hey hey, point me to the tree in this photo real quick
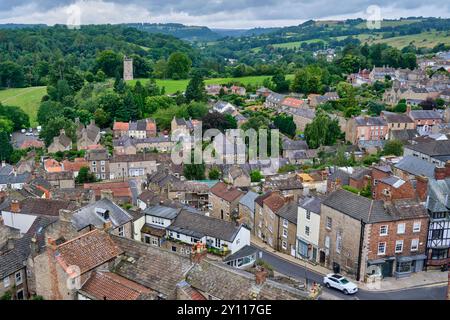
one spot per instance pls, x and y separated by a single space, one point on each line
6 148
214 174
195 90
393 147
308 80
256 176
109 62
130 105
6 125
375 108
160 69
48 110
197 110
154 103
53 127
280 82
194 171
285 124
216 120
178 65
322 131
85 176
11 75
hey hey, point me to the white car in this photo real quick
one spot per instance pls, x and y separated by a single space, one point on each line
339 282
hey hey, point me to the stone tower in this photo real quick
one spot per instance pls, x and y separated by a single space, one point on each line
127 69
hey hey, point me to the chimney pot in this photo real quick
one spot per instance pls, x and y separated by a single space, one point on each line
260 276
15 206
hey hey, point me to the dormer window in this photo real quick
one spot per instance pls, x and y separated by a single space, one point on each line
102 213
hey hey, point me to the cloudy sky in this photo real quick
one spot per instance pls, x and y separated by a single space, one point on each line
212 13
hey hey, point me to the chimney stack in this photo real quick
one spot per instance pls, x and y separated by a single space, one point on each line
199 252
34 247
107 194
422 188
3 163
260 276
51 243
15 206
107 225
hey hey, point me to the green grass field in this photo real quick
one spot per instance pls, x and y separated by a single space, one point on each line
173 86
423 40
26 98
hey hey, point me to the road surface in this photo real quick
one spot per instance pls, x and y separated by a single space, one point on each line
298 272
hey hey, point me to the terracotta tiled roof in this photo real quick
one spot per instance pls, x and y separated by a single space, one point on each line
87 251
32 144
293 102
226 192
121 126
119 189
51 165
75 165
275 202
111 286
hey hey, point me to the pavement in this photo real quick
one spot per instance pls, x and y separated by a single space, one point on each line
431 285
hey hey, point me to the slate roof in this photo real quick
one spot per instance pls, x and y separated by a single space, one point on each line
432 148
370 121
87 216
87 251
243 252
198 225
289 144
344 177
392 117
45 207
438 195
405 209
226 192
153 267
425 114
404 135
6 170
312 204
111 286
289 212
226 283
12 178
249 200
162 212
355 206
416 166
15 259
393 181
97 154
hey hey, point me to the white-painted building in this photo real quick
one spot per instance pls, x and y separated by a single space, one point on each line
308 228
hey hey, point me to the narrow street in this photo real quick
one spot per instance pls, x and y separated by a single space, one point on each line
295 271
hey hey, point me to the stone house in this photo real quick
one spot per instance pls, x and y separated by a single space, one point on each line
266 218
287 228
60 143
224 201
397 121
302 116
247 209
132 165
425 120
61 180
435 152
274 100
73 262
126 145
286 185
192 193
237 176
410 167
99 163
87 135
139 129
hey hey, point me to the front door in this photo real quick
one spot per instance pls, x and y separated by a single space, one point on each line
322 257
293 251
386 269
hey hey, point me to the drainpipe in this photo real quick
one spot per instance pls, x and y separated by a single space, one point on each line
361 244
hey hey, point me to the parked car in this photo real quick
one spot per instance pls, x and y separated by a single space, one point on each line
339 282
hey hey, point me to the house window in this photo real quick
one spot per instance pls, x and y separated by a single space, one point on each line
94 163
381 248
285 233
414 244
338 242
307 231
121 231
308 215
327 242
401 228
383 230
398 246
155 241
102 162
285 223
329 223
6 282
18 277
437 234
284 245
19 294
174 249
416 226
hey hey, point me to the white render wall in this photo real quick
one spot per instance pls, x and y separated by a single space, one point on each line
313 224
19 221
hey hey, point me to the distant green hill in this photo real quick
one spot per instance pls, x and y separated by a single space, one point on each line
190 33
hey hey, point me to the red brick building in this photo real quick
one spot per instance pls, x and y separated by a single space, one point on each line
393 188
